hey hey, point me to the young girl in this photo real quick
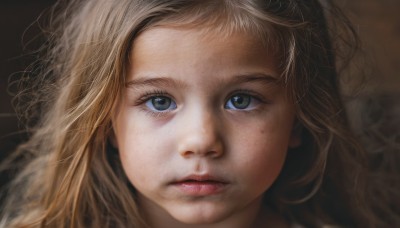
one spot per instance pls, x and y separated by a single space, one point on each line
172 113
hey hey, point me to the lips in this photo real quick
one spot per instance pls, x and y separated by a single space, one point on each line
200 185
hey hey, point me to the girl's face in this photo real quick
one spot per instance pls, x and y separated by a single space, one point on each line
203 127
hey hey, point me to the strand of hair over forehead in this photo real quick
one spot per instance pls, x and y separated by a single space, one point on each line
226 16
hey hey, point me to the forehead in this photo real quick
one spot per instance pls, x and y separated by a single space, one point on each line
163 36
180 47
191 55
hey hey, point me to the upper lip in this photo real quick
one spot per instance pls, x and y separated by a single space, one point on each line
202 177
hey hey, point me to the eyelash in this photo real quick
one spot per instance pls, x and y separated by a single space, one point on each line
149 94
251 93
146 96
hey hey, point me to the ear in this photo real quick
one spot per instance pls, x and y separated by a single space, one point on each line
295 137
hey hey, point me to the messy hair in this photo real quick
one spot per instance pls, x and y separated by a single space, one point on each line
74 177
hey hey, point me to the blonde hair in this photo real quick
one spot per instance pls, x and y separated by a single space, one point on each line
74 178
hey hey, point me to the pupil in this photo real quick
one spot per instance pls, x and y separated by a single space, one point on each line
241 101
238 100
161 103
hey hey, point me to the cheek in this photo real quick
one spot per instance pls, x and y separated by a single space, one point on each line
145 151
133 162
263 162
138 154
260 154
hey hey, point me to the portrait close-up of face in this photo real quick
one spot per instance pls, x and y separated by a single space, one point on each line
202 128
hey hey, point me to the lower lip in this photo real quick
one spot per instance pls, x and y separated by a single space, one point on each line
200 188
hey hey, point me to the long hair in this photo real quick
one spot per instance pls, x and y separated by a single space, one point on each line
74 177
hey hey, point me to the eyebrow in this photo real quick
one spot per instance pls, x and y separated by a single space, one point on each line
156 82
254 77
169 82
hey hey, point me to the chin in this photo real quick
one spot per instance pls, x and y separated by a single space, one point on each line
198 216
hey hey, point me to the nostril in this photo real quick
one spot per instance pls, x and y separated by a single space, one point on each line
212 153
200 143
187 153
209 153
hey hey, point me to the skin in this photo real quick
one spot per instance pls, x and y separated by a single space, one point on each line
202 132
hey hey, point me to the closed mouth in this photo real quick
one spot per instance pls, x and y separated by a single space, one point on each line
200 185
201 179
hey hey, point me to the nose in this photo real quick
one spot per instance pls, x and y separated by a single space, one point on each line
200 135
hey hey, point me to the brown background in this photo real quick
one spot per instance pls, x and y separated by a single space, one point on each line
377 21
378 24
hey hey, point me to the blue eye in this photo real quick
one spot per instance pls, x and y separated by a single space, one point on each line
160 103
239 101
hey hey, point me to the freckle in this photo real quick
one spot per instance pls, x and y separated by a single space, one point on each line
262 131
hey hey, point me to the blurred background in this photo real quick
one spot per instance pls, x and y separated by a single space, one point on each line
18 40
376 21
